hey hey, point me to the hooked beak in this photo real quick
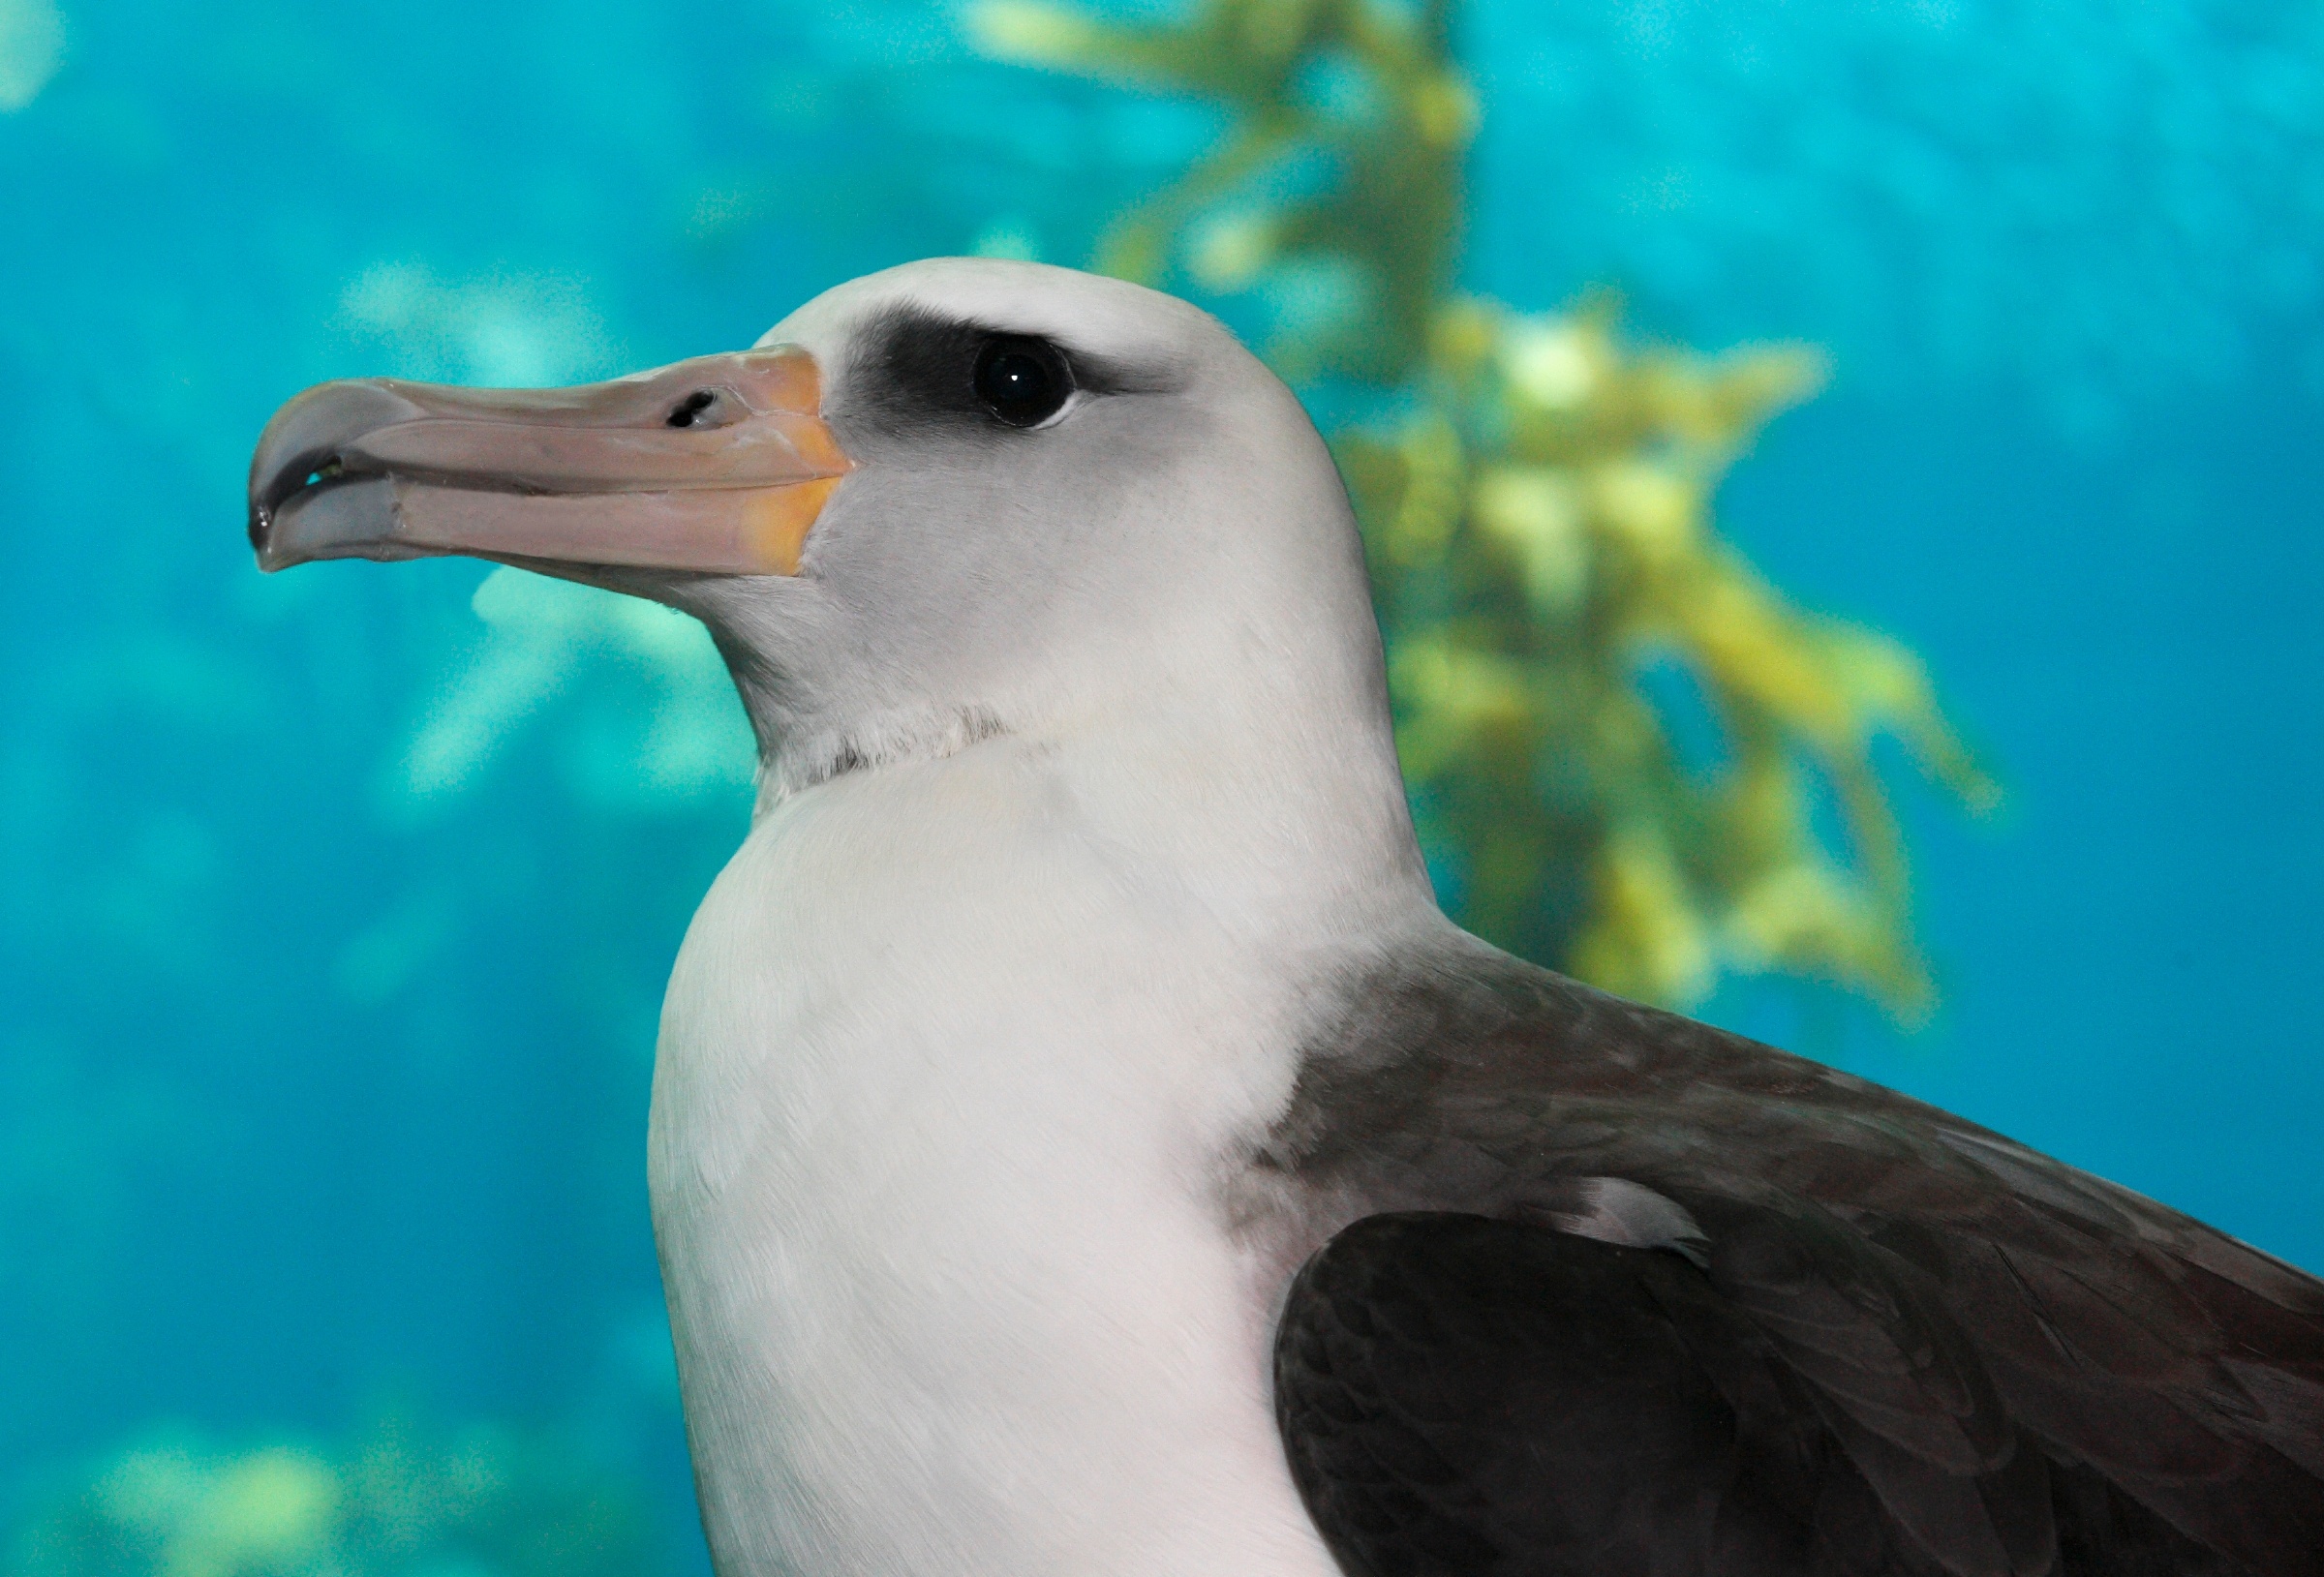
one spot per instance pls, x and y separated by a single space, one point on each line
719 464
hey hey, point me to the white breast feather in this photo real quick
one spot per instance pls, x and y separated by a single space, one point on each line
943 1088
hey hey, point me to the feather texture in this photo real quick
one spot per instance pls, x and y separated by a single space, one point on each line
1602 1290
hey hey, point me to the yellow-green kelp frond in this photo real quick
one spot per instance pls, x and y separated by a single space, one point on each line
395 1501
1339 187
1625 740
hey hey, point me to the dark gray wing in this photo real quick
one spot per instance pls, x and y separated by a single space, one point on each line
1601 1290
1459 1394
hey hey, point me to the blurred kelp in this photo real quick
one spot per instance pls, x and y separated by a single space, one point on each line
1629 754
397 1502
32 45
662 725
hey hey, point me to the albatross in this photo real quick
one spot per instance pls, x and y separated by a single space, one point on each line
1081 1145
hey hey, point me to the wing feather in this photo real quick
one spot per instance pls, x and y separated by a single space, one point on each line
1836 1330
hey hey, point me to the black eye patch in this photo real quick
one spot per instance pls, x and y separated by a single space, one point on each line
917 371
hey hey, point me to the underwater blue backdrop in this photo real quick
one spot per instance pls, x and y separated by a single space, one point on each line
334 907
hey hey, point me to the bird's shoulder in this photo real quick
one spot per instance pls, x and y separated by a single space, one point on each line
1995 1353
1455 1076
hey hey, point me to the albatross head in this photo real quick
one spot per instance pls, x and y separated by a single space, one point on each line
953 499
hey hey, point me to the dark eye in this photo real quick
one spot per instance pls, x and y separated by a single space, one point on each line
1023 381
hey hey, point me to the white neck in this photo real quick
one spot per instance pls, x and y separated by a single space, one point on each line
952 1060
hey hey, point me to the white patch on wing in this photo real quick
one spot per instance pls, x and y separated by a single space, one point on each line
1617 1210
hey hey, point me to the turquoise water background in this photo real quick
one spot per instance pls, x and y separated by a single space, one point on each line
335 906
